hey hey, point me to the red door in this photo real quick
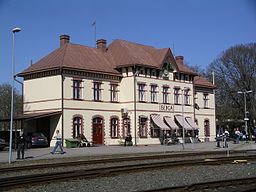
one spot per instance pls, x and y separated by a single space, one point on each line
97 131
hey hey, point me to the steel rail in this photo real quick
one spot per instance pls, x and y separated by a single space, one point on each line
11 182
247 184
113 160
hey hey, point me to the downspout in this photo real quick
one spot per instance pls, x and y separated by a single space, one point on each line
135 118
194 91
62 105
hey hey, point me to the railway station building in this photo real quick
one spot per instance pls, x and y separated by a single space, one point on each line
110 91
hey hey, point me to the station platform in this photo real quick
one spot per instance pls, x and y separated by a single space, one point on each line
44 153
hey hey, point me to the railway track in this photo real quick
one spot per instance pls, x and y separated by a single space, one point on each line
33 179
120 159
232 185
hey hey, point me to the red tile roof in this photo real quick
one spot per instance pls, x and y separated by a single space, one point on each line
75 57
199 81
118 54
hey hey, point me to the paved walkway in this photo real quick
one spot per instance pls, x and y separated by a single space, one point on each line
44 153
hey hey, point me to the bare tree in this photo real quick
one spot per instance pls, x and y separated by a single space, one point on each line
5 101
235 70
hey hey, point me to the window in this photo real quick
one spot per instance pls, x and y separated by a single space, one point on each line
77 126
206 100
154 131
176 95
143 127
141 92
153 90
165 94
186 96
206 128
113 93
126 127
114 127
97 91
77 89
177 76
196 97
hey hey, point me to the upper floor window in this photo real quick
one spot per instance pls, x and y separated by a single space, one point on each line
206 100
114 93
141 92
186 96
77 89
97 91
153 90
176 95
196 97
114 127
165 94
77 127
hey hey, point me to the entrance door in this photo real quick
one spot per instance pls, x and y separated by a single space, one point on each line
97 131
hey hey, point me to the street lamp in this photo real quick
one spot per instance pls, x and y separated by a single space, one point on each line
14 30
245 116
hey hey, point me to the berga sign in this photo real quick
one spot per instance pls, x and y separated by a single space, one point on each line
165 107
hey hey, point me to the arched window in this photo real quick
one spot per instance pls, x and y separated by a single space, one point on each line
126 126
207 128
77 126
143 127
114 127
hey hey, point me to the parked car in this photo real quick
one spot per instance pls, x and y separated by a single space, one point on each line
37 139
3 144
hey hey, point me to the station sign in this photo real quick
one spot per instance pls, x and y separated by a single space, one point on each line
165 107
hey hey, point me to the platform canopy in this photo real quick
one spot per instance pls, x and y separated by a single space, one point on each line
192 123
171 123
182 121
30 116
159 122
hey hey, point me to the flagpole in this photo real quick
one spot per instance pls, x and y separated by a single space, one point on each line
94 24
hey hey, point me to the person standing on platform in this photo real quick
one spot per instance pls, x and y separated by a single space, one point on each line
225 139
238 134
218 139
254 133
58 143
21 146
128 140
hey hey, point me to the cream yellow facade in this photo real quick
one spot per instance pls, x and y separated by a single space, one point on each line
44 94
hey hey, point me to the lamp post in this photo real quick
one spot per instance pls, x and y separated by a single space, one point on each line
14 30
245 110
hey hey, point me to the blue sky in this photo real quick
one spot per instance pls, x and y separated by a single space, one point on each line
197 29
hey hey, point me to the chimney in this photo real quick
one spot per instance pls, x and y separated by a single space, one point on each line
102 44
179 59
64 39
